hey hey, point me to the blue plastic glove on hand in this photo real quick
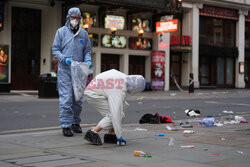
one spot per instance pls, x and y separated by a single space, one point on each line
68 61
121 141
89 63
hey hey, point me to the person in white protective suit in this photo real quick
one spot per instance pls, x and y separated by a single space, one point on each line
107 93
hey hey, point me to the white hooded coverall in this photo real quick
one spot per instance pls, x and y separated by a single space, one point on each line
107 93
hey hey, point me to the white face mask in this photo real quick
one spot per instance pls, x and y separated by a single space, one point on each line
74 23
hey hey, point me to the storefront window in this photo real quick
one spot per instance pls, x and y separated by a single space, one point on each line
229 71
217 32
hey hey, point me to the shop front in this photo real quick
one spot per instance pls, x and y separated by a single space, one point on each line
217 50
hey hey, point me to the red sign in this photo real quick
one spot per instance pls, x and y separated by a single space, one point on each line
166 26
181 40
158 68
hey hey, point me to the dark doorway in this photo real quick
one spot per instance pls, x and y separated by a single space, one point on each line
247 72
109 61
137 65
25 48
175 69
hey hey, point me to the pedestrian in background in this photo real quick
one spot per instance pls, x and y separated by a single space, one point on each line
71 43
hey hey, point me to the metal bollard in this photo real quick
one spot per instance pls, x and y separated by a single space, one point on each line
191 83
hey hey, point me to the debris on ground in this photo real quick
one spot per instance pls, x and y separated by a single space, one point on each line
188 131
228 112
188 146
192 113
140 129
142 154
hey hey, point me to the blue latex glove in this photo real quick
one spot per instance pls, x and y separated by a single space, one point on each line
121 141
89 63
68 61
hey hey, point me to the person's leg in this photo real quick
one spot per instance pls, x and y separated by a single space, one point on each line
77 109
65 102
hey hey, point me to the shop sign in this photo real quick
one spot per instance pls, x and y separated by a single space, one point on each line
166 26
157 68
112 21
218 12
140 43
4 63
181 40
88 18
141 24
110 41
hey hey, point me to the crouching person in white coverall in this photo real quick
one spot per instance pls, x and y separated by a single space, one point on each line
107 93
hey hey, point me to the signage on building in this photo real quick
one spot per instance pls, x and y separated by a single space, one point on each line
157 70
4 63
88 18
140 43
141 24
114 41
219 12
166 26
181 40
181 43
112 21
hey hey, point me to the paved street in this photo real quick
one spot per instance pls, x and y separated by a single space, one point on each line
44 146
24 110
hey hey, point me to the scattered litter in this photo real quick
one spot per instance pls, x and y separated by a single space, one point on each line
159 134
187 126
140 129
171 142
172 94
140 98
228 112
171 128
215 154
192 112
140 102
142 154
240 119
218 124
205 149
189 146
239 152
222 138
188 131
211 116
208 122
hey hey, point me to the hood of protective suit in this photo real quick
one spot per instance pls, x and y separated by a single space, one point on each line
70 12
135 84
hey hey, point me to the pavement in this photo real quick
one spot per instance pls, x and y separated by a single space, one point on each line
227 145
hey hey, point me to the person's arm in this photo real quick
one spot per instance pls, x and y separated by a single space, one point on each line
115 101
88 49
57 48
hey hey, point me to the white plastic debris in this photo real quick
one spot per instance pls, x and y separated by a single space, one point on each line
228 112
140 129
